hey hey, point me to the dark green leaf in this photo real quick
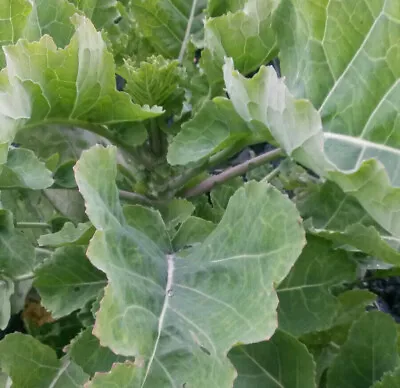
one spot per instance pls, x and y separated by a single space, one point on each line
369 352
306 302
31 364
280 362
67 281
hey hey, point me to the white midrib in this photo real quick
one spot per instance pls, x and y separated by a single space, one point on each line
59 374
168 287
350 64
360 142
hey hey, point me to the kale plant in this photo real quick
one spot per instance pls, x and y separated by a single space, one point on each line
193 191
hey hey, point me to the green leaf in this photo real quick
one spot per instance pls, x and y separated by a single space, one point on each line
221 194
333 215
68 203
389 380
64 176
164 22
17 255
306 303
192 232
24 170
102 13
13 16
85 350
31 364
121 375
4 380
60 86
68 235
176 212
6 290
154 82
369 352
219 7
67 281
159 317
50 17
55 139
150 222
264 100
246 36
215 126
282 361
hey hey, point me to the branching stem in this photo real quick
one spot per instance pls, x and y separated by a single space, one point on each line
187 32
232 172
32 225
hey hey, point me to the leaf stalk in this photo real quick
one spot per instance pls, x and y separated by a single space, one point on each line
232 172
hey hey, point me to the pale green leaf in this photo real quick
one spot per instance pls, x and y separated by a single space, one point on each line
306 302
369 352
13 17
51 17
24 170
164 22
67 281
6 290
17 255
85 350
75 85
159 317
246 36
68 235
215 126
333 215
192 232
282 361
31 364
296 125
343 56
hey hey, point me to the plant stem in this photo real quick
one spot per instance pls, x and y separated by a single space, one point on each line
27 276
187 32
136 198
175 184
232 172
44 250
155 138
32 225
271 175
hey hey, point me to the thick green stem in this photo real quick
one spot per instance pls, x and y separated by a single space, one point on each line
155 138
136 198
32 225
232 172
